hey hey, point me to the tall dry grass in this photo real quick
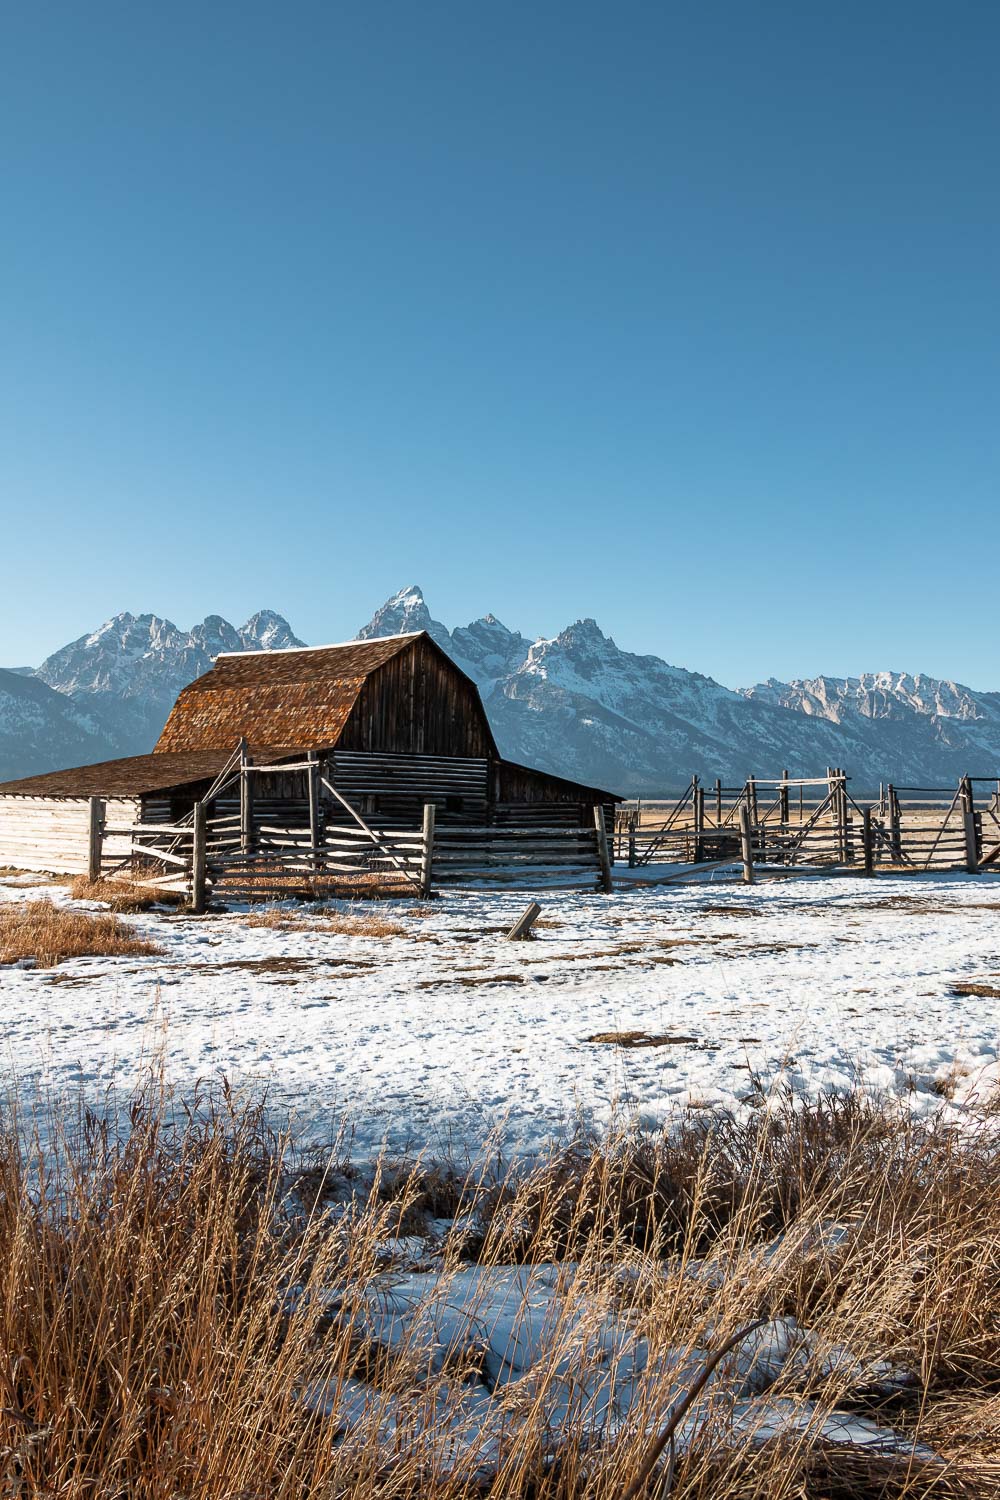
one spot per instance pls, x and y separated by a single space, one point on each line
123 895
185 1304
47 933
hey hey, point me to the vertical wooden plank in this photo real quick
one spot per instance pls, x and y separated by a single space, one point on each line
312 788
783 799
198 858
246 800
602 850
971 843
718 802
698 817
95 837
892 818
969 828
746 844
427 851
867 840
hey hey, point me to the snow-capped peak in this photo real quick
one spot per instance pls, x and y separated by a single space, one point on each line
403 614
268 631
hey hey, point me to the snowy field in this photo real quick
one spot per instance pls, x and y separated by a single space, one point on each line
441 1037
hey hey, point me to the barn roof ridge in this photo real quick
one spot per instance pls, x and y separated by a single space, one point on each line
403 635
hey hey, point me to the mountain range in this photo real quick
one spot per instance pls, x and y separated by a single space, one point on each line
575 704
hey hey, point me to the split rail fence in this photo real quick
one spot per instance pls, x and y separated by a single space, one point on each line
817 822
235 846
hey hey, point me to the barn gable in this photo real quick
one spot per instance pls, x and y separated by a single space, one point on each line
398 695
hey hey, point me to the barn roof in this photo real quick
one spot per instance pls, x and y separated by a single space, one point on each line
133 776
302 696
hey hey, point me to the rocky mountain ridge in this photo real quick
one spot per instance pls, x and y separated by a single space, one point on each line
575 704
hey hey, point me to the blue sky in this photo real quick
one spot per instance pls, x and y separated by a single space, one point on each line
681 316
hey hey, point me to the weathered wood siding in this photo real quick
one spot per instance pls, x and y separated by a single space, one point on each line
396 787
418 703
50 833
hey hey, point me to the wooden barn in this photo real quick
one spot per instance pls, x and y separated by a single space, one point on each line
314 760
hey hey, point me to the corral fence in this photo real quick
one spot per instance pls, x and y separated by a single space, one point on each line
237 846
818 822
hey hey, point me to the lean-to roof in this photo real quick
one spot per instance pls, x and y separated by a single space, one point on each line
132 776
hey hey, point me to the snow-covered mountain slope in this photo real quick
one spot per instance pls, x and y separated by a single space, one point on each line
41 730
580 706
924 726
575 704
128 673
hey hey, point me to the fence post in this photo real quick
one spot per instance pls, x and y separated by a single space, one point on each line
631 848
602 849
312 778
246 801
427 851
718 802
698 811
783 798
95 837
969 827
198 858
867 843
746 844
892 818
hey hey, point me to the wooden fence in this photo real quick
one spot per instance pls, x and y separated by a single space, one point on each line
817 822
253 852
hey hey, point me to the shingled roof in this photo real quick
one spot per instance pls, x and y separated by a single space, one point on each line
132 776
301 697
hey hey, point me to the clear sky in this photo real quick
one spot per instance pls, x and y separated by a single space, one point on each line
683 316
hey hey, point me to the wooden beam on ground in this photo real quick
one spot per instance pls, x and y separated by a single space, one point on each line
522 927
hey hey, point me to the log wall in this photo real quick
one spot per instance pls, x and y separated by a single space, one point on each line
50 834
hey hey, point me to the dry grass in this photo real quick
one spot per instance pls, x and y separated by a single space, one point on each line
48 934
169 1293
272 883
344 924
123 895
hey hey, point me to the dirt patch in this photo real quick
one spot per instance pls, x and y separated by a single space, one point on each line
72 981
641 1039
471 980
731 911
284 964
986 991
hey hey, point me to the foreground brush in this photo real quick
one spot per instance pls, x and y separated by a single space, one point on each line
192 1306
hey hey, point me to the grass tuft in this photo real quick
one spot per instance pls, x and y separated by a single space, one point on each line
48 934
123 895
